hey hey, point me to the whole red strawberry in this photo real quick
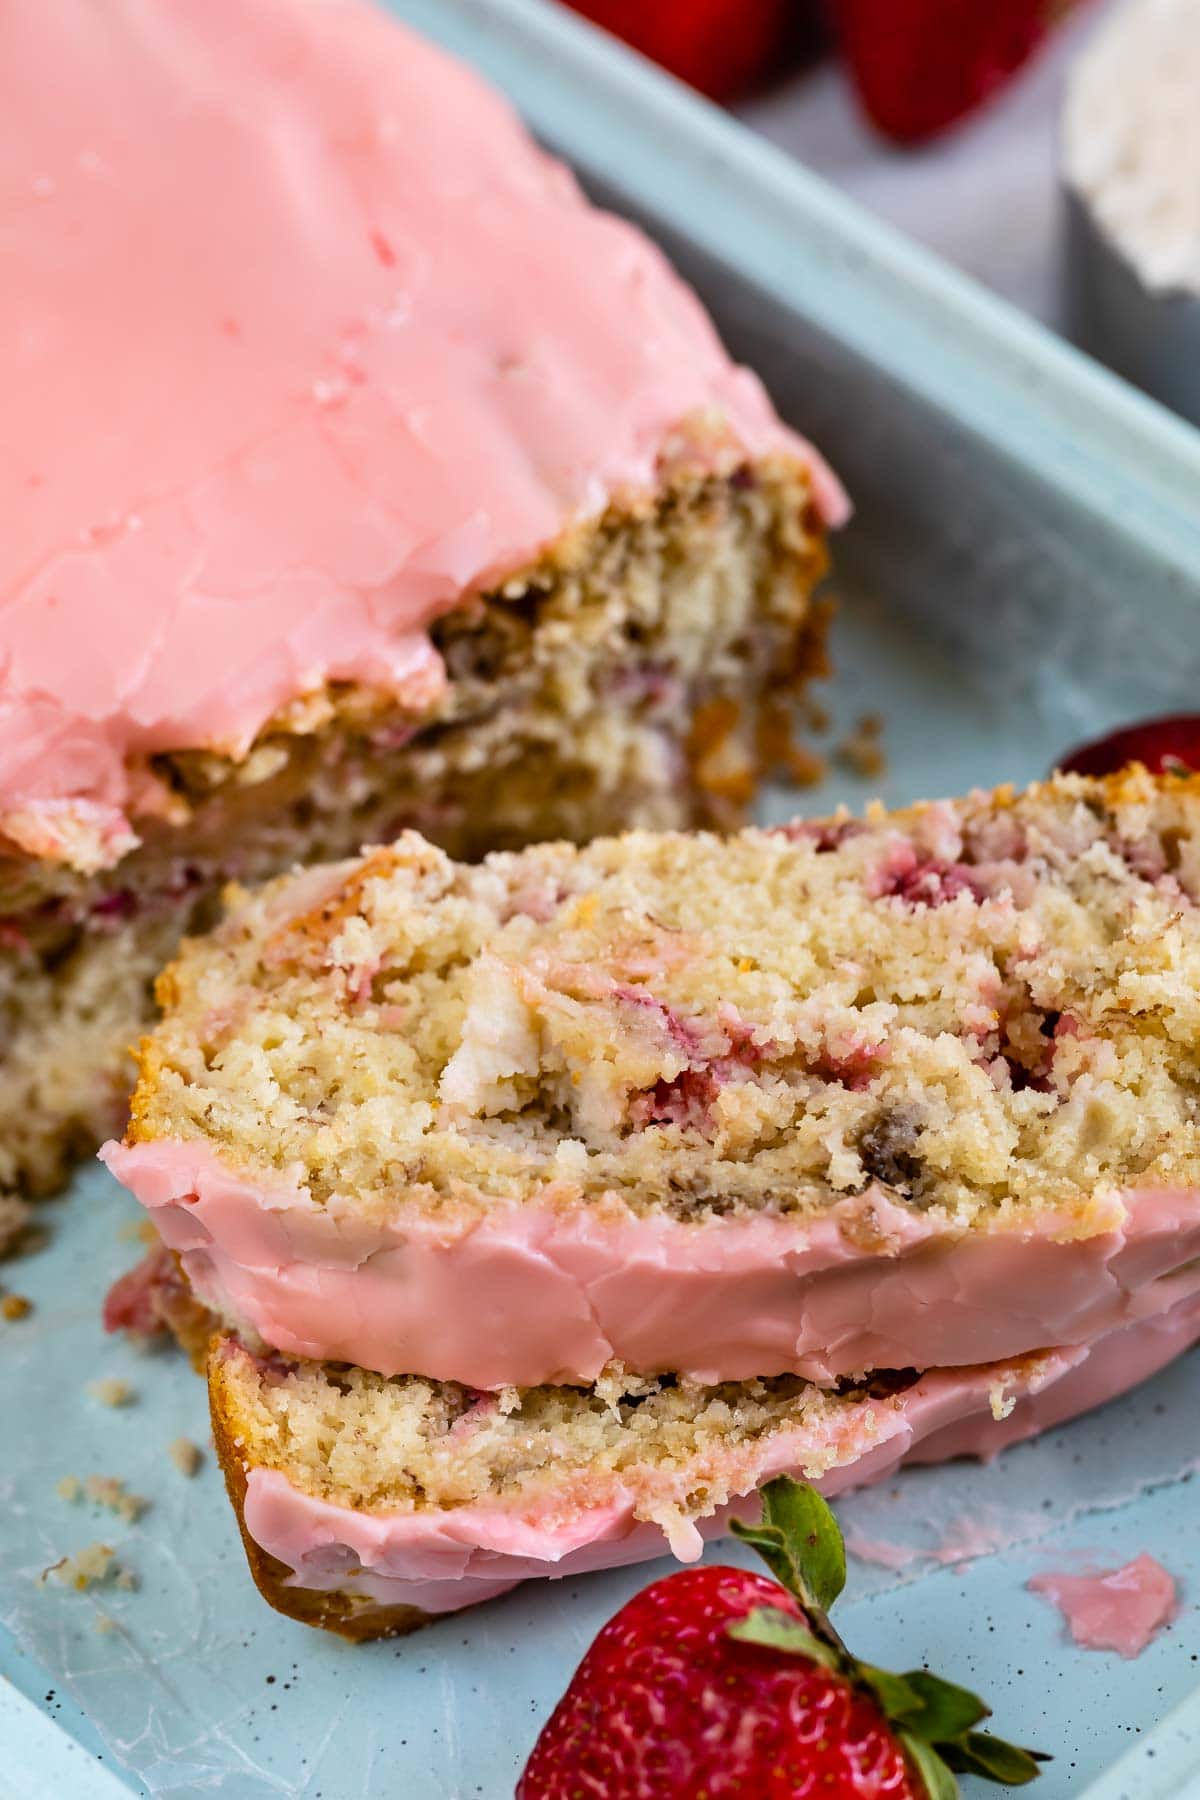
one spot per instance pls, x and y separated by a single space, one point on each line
717 1682
721 47
921 65
1162 745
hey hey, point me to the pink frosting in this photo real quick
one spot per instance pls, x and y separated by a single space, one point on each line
1118 1609
533 1294
442 1561
300 337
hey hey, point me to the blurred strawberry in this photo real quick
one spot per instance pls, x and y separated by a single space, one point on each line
722 47
921 65
1162 745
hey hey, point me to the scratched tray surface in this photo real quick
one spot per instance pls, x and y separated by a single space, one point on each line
198 1687
994 606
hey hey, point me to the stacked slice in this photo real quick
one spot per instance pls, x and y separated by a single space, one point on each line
607 1183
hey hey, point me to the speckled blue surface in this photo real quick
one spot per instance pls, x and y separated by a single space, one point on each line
1025 569
200 1688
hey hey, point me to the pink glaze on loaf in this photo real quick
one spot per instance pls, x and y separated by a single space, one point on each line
1116 1609
534 1294
441 1562
300 337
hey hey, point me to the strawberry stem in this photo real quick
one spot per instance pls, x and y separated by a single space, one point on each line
800 1541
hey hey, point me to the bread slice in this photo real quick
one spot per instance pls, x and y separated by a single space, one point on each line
915 1090
370 1505
390 484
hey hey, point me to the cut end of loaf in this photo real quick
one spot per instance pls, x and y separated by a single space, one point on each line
634 674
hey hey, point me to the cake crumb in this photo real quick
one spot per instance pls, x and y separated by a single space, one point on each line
803 768
186 1456
111 1492
69 1488
111 1391
15 1306
105 1622
616 1383
862 751
780 755
93 1566
1001 1402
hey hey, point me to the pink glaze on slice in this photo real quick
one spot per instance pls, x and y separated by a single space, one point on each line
300 337
442 1561
539 1293
1117 1609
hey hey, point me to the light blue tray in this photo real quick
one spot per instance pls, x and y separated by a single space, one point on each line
1025 568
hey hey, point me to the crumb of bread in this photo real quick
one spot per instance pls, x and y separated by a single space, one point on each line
111 1391
1001 1401
105 1622
779 753
803 768
14 1307
111 1492
862 751
69 1488
95 1565
14 1217
186 1456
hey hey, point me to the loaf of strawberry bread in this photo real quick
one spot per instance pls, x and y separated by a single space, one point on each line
916 1090
356 474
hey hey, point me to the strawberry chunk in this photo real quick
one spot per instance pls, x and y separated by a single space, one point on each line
139 1300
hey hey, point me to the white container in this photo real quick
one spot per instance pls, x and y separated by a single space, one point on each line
1131 161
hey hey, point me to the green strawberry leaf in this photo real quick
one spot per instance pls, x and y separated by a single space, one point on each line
946 1711
777 1630
799 1540
898 1698
936 1778
979 1753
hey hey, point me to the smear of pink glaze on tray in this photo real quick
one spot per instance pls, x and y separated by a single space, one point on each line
1115 1609
878 1550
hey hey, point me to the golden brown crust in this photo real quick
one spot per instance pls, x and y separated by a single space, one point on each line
305 938
1133 783
347 1615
